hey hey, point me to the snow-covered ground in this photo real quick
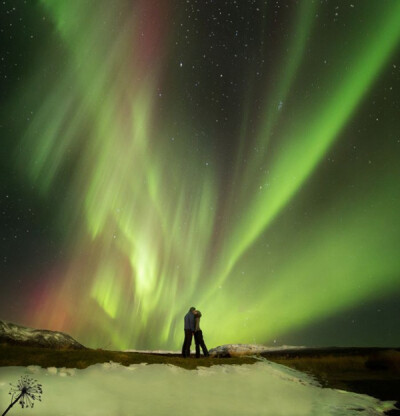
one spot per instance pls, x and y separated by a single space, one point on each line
109 389
238 349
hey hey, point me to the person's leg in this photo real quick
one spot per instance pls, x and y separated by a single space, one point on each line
196 340
188 342
190 336
184 346
205 350
203 345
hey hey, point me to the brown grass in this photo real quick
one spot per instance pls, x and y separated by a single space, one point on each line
380 361
24 356
374 372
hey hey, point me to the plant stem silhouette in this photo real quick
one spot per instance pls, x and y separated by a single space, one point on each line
26 392
12 404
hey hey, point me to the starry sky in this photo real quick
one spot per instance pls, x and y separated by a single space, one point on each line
239 156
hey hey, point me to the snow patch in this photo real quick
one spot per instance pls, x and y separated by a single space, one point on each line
247 349
263 388
154 351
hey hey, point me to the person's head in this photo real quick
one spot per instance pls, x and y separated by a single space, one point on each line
197 313
192 309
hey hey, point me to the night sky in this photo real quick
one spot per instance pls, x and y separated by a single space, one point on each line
239 156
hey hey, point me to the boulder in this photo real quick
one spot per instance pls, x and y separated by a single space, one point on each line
236 350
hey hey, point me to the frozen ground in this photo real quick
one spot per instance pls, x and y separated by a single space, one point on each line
263 388
240 349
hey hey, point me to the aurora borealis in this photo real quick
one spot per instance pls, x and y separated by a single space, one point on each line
238 156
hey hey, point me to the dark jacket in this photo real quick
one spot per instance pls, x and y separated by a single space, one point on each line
190 321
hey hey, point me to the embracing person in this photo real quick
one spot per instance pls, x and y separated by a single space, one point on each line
189 327
192 327
198 336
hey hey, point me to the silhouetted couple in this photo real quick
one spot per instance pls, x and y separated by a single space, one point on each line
192 327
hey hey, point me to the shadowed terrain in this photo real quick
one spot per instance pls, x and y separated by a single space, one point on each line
371 371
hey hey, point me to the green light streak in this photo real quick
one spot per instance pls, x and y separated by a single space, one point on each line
290 65
149 218
309 140
343 260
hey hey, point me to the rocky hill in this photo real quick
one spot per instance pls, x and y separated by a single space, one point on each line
13 334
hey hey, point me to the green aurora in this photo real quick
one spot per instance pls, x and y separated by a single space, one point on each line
154 224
